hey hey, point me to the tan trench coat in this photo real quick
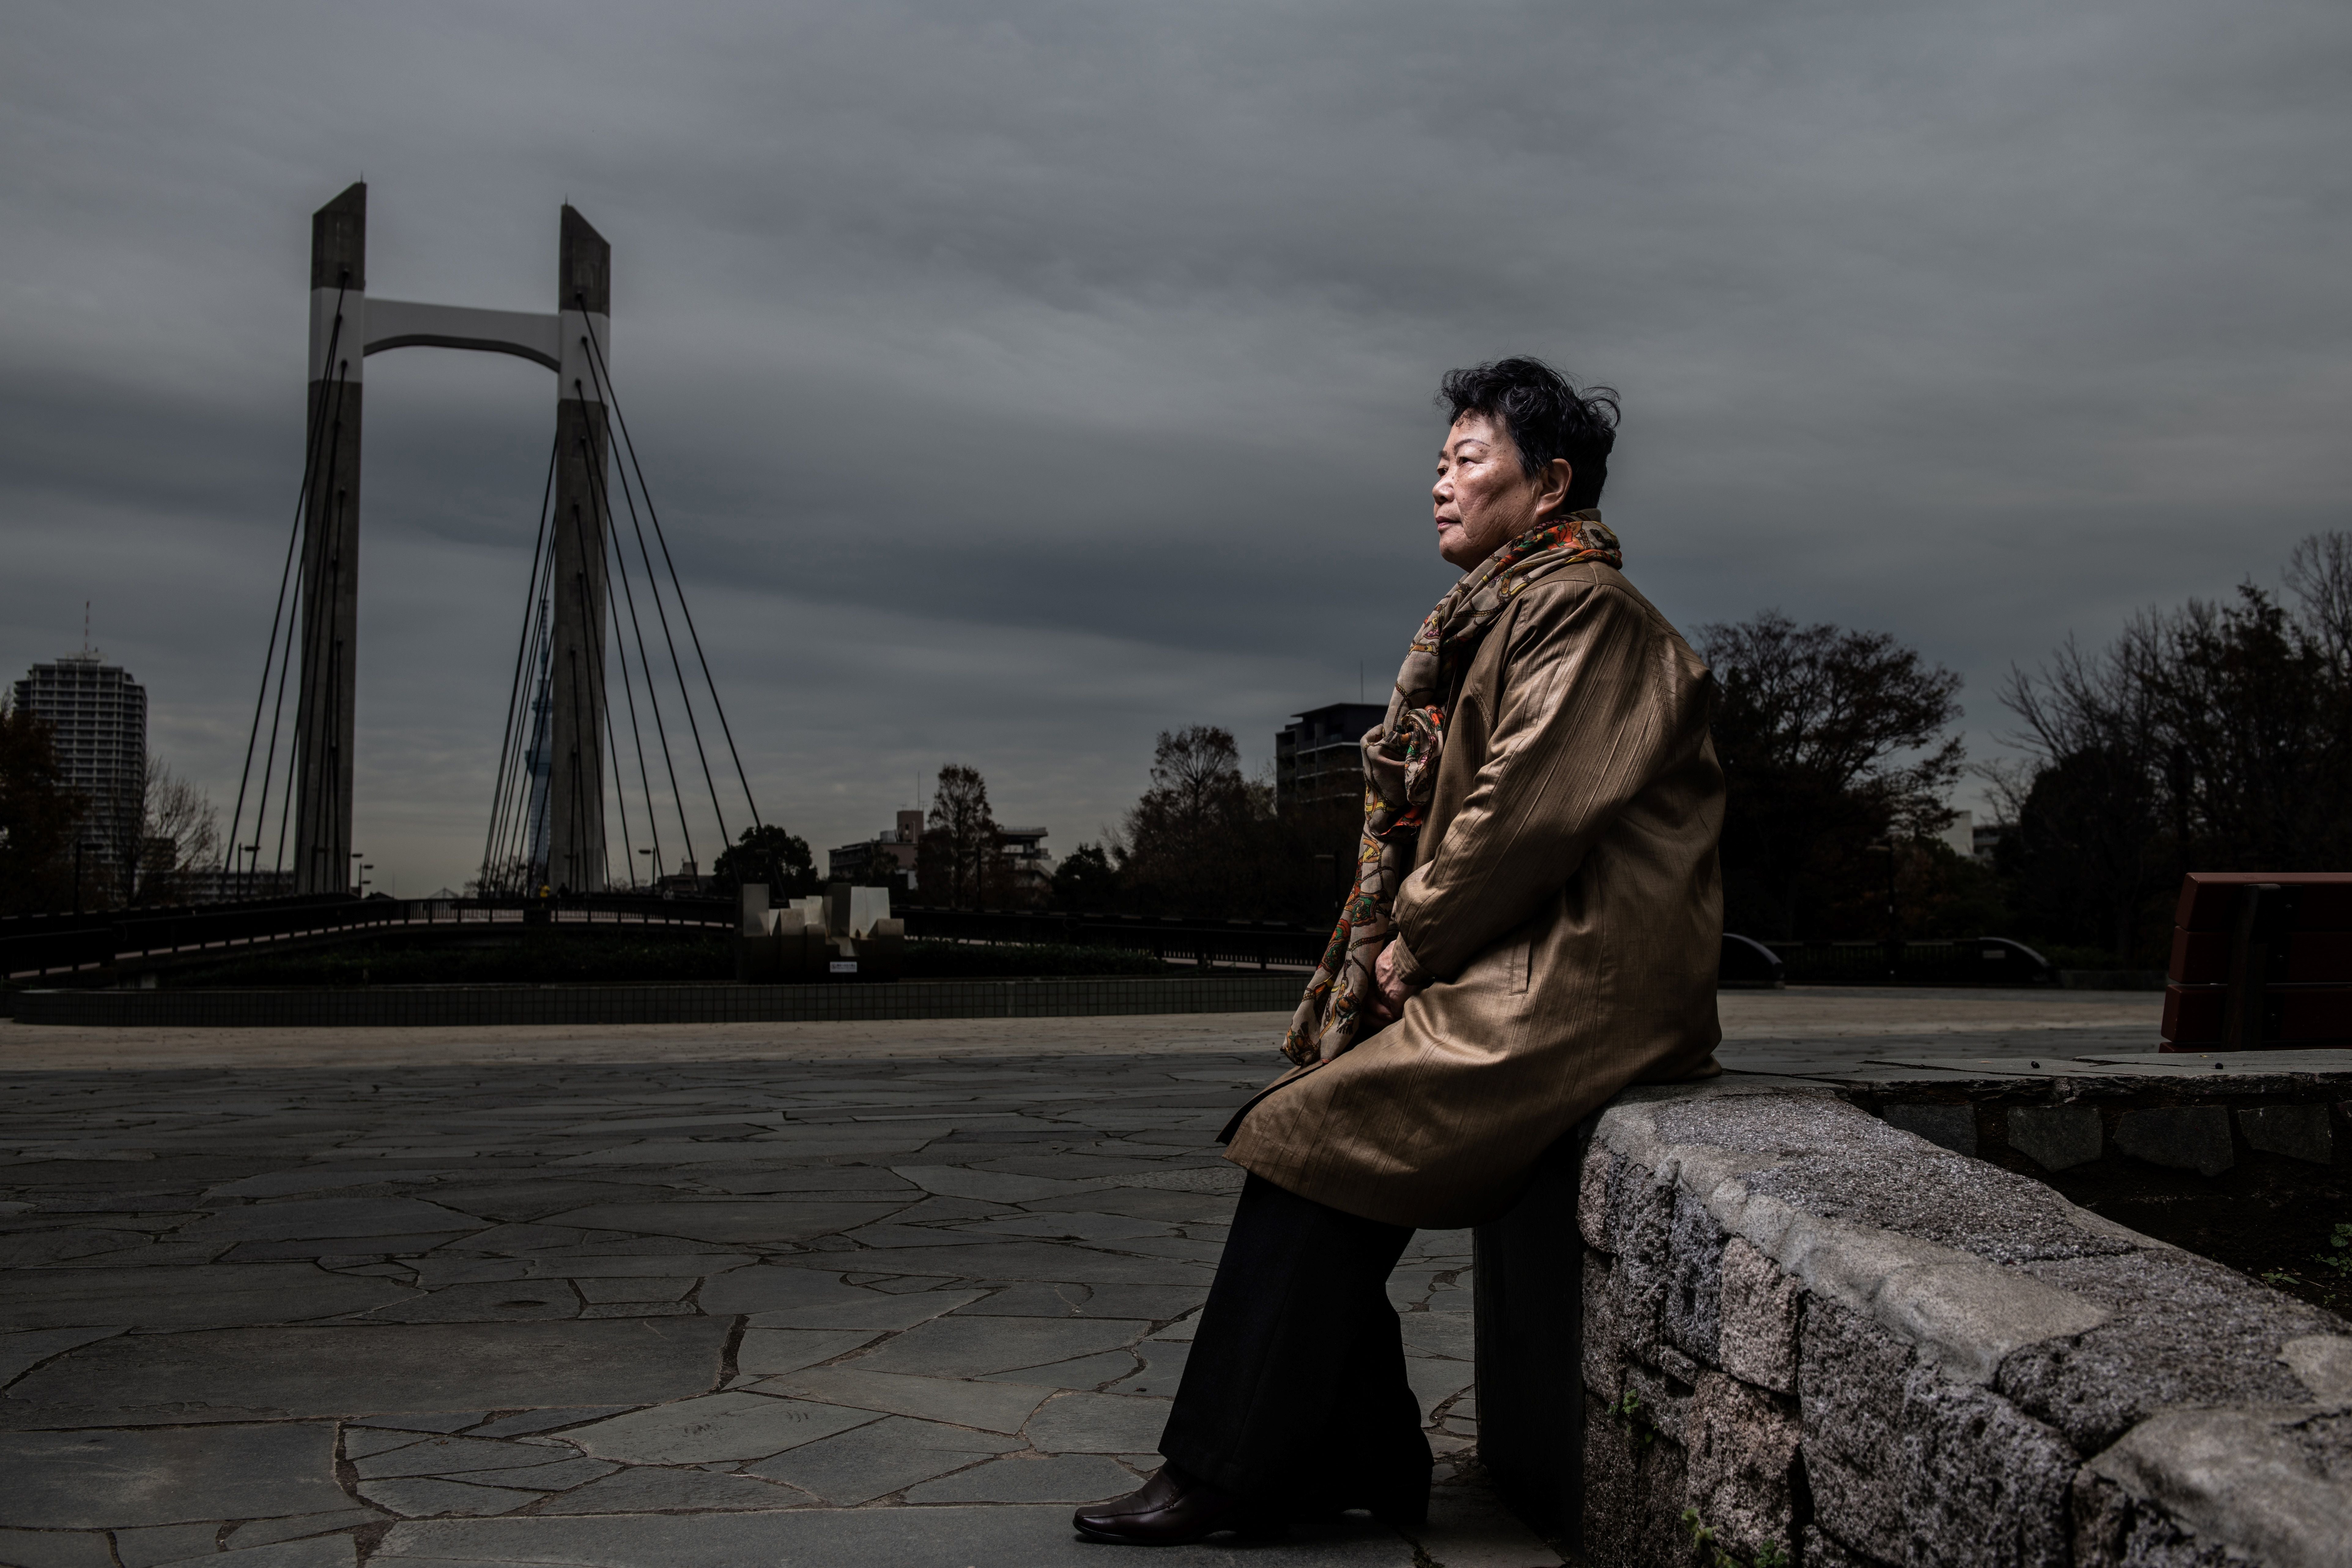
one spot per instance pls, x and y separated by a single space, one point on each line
1565 911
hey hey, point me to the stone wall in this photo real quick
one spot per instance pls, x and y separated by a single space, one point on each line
2170 1114
1809 1337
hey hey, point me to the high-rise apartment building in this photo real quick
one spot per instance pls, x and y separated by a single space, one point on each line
1318 757
98 715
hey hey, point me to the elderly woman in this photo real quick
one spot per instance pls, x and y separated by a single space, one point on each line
1536 923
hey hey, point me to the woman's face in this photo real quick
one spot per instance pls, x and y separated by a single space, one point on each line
1482 498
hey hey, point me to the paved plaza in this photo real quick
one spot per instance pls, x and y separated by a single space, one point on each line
674 1297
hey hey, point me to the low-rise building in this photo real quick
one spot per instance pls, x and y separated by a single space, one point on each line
886 859
218 885
1031 867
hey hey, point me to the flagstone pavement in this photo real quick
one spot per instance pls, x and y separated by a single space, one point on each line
820 1294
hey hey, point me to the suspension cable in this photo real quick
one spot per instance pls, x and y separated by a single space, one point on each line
685 694
310 442
678 796
578 824
620 794
524 739
532 801
269 758
603 375
261 697
637 731
523 642
286 800
509 814
513 791
321 608
592 630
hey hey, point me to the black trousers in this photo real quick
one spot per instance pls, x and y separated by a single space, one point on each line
1296 1388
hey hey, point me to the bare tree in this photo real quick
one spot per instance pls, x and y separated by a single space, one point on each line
961 860
1842 706
1195 838
2214 736
38 811
2258 718
1830 740
2087 820
2319 573
177 838
504 879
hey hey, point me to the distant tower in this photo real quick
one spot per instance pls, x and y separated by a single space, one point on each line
98 718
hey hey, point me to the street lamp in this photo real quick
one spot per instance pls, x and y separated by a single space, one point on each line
653 872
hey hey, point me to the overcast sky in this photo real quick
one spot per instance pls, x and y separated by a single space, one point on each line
1019 380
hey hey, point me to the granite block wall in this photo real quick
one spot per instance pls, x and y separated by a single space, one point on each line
1811 1338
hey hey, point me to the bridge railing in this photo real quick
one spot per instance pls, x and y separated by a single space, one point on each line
86 942
604 909
35 946
1238 943
138 938
60 922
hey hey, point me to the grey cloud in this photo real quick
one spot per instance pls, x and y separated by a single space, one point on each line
1017 381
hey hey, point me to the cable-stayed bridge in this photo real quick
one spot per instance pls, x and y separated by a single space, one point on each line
567 792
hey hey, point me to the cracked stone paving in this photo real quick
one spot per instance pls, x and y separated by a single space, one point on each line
900 1312
839 1294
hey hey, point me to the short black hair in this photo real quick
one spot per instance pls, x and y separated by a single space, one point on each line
1548 417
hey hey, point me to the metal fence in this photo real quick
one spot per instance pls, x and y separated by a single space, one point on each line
1978 961
1983 961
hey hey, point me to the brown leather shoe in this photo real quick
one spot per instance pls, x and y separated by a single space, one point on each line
1171 1509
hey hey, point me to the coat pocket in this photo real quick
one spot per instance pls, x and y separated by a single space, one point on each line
1517 953
1506 965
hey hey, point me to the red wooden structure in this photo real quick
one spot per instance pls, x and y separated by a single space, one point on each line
2260 959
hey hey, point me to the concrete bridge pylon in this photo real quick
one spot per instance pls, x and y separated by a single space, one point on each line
583 436
574 341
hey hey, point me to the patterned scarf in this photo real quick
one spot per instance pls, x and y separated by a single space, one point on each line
1401 769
